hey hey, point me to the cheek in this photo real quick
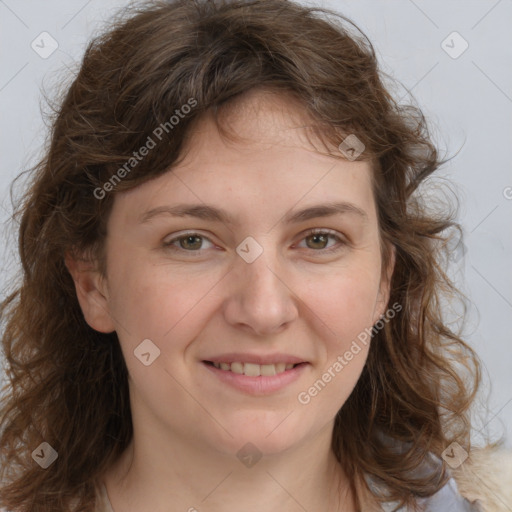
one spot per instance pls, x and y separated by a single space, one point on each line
153 302
345 303
341 376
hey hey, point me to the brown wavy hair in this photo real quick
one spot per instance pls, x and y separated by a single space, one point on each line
67 383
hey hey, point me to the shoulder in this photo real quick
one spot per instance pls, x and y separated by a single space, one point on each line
450 498
486 477
483 480
447 499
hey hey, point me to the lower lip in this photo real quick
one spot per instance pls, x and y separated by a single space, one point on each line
258 385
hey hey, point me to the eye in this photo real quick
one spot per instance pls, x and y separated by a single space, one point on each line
191 242
318 240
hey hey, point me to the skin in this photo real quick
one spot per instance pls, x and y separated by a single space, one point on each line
295 298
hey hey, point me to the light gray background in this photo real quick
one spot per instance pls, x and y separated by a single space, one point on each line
468 101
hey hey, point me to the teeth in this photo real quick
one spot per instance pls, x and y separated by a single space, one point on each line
268 370
251 370
237 368
254 370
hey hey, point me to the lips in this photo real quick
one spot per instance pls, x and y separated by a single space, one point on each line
256 374
255 385
255 365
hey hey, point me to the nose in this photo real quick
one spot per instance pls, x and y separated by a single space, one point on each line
259 299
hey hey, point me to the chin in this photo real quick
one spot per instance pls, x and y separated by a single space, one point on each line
268 438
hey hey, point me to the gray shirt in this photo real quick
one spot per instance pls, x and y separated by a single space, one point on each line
447 499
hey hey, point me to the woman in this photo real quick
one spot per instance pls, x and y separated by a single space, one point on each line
231 290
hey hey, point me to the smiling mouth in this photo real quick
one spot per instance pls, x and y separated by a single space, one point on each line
254 370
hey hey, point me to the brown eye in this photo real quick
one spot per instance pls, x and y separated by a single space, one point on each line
318 241
191 242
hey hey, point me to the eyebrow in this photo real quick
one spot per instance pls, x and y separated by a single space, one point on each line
211 213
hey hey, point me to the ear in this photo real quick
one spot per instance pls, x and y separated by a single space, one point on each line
385 285
91 292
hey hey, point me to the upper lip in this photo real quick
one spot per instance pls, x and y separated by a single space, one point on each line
256 358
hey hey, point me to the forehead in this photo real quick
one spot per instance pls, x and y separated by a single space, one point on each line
266 131
271 162
261 117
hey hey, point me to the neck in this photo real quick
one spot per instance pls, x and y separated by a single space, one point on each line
165 471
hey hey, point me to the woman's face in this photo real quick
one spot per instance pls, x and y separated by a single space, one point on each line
241 279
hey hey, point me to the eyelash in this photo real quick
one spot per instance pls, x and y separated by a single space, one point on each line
341 243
